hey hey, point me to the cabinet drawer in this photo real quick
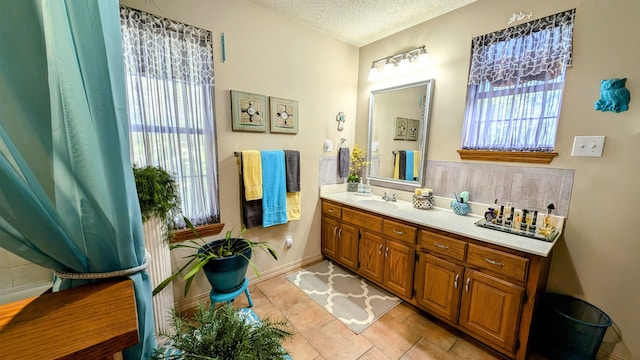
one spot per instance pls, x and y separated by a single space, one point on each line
370 222
500 262
443 245
331 210
399 231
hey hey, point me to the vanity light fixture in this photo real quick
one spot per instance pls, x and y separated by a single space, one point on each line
418 55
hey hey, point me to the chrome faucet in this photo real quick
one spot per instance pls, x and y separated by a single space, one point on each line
386 197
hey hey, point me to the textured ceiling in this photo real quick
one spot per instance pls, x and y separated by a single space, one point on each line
360 22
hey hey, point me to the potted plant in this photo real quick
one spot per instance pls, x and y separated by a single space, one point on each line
224 333
223 261
158 196
355 166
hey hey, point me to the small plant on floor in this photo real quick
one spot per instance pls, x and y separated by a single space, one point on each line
222 333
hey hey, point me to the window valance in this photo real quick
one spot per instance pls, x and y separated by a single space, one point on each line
534 50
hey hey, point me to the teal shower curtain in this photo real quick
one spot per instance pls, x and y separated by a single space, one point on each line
67 195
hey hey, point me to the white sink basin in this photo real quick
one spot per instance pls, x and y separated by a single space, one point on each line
376 203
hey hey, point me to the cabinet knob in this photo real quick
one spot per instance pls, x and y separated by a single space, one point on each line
386 252
455 282
380 250
340 233
466 285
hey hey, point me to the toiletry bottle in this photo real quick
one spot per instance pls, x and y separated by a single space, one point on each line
367 187
361 187
516 222
532 227
500 214
509 218
523 223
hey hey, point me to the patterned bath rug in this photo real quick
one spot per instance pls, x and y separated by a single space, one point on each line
349 298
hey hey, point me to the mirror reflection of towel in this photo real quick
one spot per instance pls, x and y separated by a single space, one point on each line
343 162
409 165
403 165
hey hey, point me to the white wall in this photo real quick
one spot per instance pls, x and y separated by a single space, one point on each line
597 259
271 55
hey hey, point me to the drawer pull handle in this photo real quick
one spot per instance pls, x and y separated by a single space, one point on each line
386 252
455 282
398 232
380 250
441 246
466 285
340 233
331 210
493 262
335 231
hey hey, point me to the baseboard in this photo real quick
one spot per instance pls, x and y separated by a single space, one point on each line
264 275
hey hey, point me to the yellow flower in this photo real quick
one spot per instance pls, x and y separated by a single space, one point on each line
357 162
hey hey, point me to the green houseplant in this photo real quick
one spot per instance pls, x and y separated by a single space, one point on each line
222 333
224 261
158 195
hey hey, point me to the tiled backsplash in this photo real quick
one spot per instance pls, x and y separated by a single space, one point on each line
524 187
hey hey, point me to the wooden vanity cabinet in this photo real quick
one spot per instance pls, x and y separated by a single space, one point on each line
487 291
339 241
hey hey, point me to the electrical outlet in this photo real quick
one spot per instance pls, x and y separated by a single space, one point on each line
590 146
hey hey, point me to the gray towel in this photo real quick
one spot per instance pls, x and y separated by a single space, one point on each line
292 169
403 165
343 162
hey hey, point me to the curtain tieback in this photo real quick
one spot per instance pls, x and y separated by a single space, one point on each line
106 275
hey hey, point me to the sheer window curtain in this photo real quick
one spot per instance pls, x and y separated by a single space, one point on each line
68 199
170 86
516 80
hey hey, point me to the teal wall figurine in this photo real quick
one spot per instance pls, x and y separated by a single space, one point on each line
613 96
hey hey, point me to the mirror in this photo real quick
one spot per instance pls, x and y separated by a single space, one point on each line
398 134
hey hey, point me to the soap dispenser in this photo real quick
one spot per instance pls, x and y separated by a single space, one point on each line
361 187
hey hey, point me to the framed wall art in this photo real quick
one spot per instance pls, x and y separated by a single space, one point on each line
284 115
413 129
249 112
400 128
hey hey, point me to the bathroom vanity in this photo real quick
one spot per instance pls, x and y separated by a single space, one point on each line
483 282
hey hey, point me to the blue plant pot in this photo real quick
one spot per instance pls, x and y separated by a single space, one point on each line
226 274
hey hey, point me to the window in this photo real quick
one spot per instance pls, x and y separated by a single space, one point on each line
170 100
516 80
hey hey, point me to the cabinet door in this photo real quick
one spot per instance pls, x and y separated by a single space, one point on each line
329 238
399 262
438 286
371 256
348 246
491 308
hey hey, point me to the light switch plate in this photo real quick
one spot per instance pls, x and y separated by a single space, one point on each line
590 146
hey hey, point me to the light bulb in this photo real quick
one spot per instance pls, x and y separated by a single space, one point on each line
388 66
373 73
423 57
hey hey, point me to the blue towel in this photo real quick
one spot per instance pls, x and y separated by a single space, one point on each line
409 164
274 188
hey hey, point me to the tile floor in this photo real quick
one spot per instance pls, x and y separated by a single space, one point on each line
402 333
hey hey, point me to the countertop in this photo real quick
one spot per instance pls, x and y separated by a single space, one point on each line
445 220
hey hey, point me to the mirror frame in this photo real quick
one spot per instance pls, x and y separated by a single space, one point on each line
423 138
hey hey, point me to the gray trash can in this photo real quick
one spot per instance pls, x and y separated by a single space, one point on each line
569 328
